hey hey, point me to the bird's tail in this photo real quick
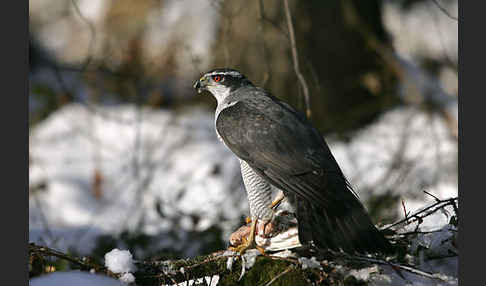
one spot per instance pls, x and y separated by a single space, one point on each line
344 225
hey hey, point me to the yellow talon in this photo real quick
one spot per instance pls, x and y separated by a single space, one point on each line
277 200
247 243
259 248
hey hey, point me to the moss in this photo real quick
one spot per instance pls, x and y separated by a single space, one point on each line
264 270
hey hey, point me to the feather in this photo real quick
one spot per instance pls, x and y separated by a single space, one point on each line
282 146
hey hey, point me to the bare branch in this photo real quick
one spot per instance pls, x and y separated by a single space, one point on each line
261 12
279 275
84 262
421 214
444 10
395 266
276 26
404 210
436 198
92 32
390 58
295 58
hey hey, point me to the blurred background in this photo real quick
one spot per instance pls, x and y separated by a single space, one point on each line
123 151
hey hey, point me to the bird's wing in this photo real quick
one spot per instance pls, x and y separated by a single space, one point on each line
283 147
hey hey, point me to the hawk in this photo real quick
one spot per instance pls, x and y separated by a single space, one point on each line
277 146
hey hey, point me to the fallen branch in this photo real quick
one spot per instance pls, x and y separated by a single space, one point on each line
408 268
84 263
279 275
334 268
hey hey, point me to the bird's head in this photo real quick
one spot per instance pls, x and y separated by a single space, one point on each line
220 82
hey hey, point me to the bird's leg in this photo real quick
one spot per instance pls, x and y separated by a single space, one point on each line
275 203
247 243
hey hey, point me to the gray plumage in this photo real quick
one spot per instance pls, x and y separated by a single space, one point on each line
280 145
259 193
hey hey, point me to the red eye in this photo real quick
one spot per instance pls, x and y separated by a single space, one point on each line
217 78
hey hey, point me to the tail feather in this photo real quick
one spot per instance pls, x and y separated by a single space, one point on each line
349 229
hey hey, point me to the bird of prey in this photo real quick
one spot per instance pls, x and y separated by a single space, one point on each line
277 146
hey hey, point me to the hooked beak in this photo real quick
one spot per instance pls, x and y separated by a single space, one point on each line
199 85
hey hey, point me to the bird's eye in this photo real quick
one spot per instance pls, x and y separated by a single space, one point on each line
217 78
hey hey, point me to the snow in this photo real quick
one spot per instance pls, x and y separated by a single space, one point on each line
250 257
176 19
424 30
284 253
389 276
127 278
439 243
175 169
309 263
73 278
159 168
229 263
61 29
405 152
175 163
207 280
119 261
364 273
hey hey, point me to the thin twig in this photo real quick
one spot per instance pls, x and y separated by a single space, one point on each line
427 211
436 198
276 26
280 275
409 268
85 263
440 35
92 32
295 59
444 10
274 257
266 73
404 209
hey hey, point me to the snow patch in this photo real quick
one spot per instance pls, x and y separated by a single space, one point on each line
158 169
310 263
405 152
73 278
127 278
119 261
167 165
250 257
284 253
229 263
364 273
